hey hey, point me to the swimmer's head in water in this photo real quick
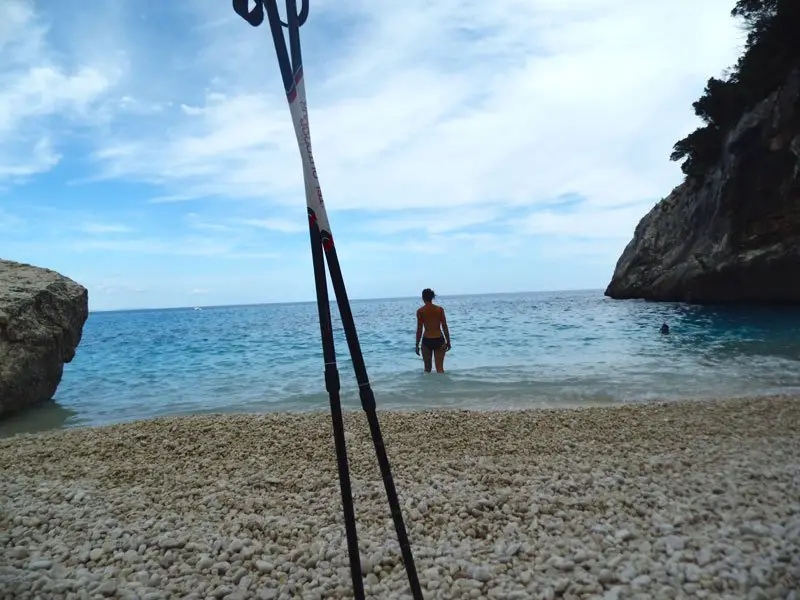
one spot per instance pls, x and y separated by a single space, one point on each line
428 295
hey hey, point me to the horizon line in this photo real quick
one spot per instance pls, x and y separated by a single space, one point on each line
332 300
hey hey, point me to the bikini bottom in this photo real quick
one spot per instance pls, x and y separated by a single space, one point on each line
433 343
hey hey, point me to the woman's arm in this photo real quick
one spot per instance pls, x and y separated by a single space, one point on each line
446 330
419 330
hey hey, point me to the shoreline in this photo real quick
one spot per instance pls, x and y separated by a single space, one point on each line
675 499
51 416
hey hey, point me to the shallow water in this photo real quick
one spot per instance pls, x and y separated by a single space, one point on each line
509 351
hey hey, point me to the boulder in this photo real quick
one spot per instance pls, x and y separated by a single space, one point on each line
41 321
735 237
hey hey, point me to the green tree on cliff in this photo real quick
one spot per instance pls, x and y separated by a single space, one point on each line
772 50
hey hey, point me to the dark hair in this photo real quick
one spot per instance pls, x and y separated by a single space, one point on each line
428 295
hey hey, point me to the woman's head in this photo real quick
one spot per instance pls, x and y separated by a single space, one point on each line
428 295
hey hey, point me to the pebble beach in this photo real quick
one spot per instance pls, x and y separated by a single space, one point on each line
666 500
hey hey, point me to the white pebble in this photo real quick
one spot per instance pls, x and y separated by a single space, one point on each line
107 588
597 503
171 542
264 567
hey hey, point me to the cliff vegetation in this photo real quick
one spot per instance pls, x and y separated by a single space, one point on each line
771 51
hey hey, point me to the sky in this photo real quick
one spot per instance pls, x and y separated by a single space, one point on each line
147 151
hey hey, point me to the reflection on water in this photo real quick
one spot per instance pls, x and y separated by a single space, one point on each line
40 417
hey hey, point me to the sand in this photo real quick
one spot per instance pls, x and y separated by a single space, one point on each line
683 500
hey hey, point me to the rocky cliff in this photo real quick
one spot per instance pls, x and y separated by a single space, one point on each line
42 314
735 237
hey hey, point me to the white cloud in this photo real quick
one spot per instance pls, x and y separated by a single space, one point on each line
9 222
241 228
102 228
432 221
448 105
196 221
23 156
591 223
275 224
114 286
163 199
185 246
35 87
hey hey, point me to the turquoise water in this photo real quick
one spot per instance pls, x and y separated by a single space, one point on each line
509 351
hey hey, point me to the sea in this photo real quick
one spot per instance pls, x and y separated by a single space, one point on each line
509 351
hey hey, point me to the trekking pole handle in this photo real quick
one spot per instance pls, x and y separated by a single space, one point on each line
256 16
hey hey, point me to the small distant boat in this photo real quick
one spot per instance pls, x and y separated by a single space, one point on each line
197 308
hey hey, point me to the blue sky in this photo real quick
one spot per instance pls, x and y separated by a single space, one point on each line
146 149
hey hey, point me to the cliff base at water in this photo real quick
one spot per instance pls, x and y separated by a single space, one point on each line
736 236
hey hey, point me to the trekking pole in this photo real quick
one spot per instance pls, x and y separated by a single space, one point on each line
291 68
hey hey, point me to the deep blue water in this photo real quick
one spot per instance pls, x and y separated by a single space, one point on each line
509 351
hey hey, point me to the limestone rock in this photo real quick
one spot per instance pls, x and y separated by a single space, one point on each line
42 314
736 237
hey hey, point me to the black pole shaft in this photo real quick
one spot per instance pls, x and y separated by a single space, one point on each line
332 386
368 404
289 63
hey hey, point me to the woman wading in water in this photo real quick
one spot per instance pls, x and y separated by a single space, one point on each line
431 317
